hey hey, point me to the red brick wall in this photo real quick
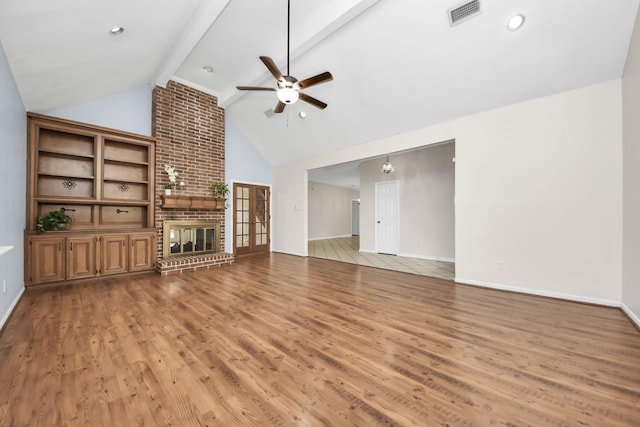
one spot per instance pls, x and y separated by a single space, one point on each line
189 130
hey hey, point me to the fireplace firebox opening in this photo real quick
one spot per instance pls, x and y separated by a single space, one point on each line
188 238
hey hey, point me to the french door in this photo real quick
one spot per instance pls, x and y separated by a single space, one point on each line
251 219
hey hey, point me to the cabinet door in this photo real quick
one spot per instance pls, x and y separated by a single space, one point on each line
142 253
114 253
46 259
81 257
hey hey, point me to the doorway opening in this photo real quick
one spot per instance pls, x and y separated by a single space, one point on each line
425 218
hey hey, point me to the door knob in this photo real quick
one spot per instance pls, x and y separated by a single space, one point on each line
378 222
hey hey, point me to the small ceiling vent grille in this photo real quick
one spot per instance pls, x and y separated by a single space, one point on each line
464 12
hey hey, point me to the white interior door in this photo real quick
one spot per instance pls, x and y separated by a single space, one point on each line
387 217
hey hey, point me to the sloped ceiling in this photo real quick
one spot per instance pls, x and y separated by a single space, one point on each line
397 65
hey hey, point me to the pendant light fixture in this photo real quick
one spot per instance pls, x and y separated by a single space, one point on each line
387 167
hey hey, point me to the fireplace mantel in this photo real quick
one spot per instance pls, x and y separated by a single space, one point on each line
192 202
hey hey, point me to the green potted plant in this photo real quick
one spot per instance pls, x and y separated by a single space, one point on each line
54 220
167 189
219 190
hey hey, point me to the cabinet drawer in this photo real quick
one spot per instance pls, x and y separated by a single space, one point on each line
123 216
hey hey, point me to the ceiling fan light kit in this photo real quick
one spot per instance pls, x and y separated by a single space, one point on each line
288 88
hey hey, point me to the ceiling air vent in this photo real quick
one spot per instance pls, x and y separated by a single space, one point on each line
464 12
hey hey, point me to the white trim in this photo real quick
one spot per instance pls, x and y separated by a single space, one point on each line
427 257
11 307
569 297
331 237
635 319
291 253
195 86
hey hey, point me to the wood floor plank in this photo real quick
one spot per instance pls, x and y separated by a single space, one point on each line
278 340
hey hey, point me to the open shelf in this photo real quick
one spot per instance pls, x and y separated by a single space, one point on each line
65 153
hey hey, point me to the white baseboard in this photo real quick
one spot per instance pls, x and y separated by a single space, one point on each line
557 295
11 307
427 257
331 237
290 253
634 318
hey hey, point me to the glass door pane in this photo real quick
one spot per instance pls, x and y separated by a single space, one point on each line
242 216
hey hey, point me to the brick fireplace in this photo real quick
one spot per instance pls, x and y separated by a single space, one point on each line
189 130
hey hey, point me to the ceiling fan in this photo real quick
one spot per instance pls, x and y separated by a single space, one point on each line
288 88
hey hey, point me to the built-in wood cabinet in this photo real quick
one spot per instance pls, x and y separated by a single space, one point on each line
104 180
60 255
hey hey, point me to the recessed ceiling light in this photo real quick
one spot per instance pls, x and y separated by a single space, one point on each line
302 115
207 69
116 30
515 22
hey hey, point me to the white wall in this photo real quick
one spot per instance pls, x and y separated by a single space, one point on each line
631 180
538 187
330 210
243 163
426 180
129 111
13 161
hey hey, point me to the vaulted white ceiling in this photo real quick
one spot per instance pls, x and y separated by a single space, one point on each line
397 64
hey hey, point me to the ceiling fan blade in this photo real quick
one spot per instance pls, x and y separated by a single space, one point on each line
255 88
311 100
320 78
279 107
272 67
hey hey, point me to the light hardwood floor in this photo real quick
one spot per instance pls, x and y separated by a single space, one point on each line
347 249
278 340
